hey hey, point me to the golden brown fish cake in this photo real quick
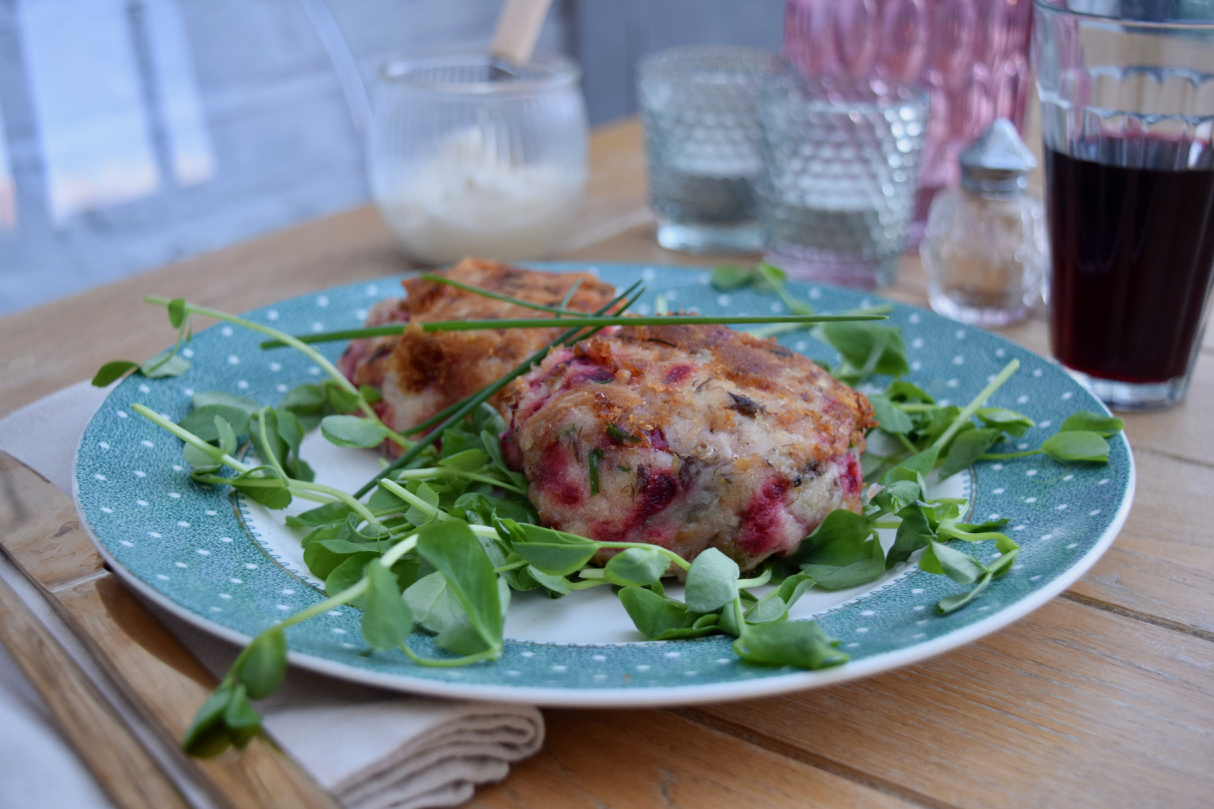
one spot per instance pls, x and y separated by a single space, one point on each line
699 437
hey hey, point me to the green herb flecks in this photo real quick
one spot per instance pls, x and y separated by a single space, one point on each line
620 437
596 456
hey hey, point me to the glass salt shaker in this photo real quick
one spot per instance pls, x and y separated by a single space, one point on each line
985 246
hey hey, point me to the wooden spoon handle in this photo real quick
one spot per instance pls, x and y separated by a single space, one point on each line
518 29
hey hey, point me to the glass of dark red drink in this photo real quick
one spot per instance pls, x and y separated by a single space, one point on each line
1127 109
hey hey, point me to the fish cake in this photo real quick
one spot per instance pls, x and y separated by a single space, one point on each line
698 436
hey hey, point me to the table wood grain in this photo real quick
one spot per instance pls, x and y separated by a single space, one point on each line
1105 696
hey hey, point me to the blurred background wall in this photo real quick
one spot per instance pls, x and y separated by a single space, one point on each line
135 132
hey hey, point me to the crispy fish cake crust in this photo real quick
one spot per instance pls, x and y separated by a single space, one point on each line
700 437
420 373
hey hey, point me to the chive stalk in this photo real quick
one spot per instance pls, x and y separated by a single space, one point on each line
584 322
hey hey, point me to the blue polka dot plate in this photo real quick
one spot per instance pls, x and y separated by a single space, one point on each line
233 568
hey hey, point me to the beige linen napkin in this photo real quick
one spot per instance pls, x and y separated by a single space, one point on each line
373 749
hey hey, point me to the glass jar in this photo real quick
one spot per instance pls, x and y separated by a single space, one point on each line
697 104
837 191
468 160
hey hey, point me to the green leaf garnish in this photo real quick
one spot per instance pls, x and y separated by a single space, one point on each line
387 620
712 581
789 643
1009 421
263 486
653 615
960 567
891 418
176 310
636 567
868 348
914 533
1104 426
730 278
165 364
553 552
454 550
201 421
265 664
868 565
967 448
218 397
207 735
353 431
839 540
112 371
1076 445
951 604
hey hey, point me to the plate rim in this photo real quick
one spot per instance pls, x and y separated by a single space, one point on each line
654 696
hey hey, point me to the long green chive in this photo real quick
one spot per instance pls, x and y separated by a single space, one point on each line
584 322
655 320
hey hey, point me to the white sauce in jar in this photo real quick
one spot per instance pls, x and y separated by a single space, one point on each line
465 200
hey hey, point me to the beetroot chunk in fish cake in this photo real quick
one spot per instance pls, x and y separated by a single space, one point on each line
700 437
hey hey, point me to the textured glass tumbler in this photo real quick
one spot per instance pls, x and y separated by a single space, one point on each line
466 162
701 140
972 56
1127 115
840 164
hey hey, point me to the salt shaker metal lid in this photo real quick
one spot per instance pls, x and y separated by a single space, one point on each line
997 164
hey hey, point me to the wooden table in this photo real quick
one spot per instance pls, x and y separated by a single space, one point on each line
1103 697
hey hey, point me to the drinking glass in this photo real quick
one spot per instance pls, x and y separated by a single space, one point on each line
840 164
468 160
701 141
972 56
1127 109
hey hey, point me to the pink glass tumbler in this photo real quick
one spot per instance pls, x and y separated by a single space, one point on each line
972 57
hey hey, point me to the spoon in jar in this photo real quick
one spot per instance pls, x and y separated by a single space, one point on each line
518 29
